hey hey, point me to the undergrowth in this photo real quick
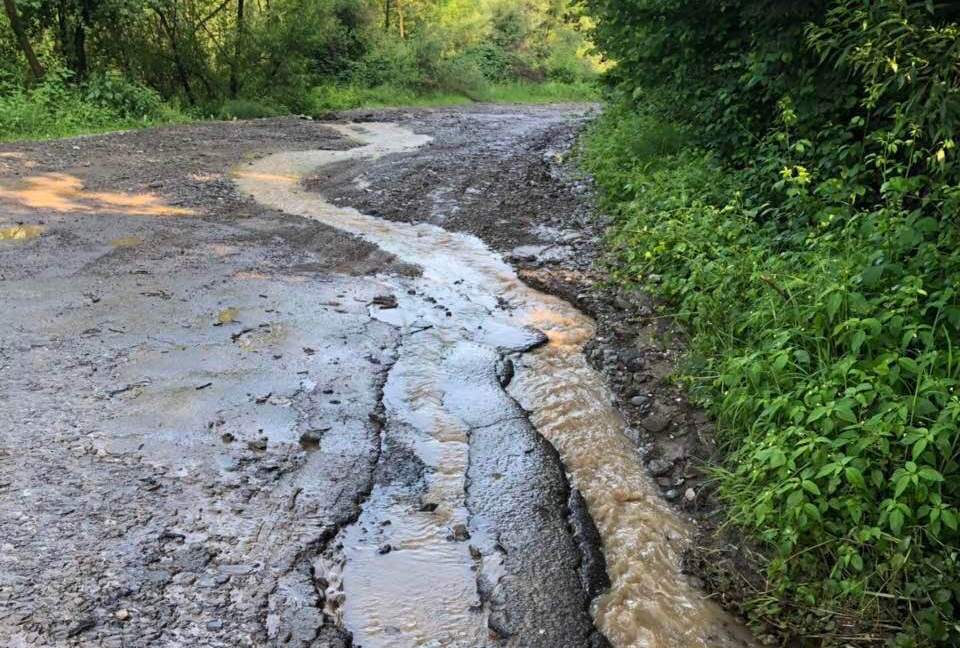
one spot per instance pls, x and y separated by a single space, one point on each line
825 347
56 108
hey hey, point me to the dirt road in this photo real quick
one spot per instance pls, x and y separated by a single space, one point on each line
262 384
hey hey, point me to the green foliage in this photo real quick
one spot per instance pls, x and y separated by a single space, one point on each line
806 232
56 108
246 109
241 59
827 355
344 97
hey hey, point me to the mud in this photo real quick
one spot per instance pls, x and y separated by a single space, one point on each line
153 489
253 417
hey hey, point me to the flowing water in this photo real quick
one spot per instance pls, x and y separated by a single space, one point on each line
421 590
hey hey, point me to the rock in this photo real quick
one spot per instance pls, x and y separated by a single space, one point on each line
671 495
505 371
460 532
690 495
656 422
384 549
639 400
385 302
429 507
121 615
258 444
659 467
215 625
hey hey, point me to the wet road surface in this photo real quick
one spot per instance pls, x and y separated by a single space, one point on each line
236 413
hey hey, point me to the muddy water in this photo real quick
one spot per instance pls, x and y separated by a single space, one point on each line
650 603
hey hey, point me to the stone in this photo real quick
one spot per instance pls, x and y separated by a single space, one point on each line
460 532
214 625
384 549
121 615
690 495
659 467
639 400
655 423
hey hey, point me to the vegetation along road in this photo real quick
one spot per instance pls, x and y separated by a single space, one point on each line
494 323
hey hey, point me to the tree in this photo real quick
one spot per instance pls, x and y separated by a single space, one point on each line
36 69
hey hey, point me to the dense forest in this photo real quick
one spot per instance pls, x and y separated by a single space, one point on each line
784 176
73 65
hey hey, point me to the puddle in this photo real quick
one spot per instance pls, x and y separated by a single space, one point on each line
65 193
21 232
650 603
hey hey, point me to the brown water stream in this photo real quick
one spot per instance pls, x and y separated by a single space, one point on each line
425 593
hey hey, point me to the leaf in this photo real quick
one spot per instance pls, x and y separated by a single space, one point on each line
902 484
855 477
857 341
918 448
856 561
896 521
834 301
777 459
810 487
929 474
949 518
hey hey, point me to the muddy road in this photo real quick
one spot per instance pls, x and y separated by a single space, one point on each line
277 383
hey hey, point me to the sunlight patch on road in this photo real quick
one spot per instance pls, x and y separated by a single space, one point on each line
21 232
65 193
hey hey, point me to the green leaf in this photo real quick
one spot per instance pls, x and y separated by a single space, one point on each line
834 301
930 474
857 341
896 521
902 484
810 487
949 518
918 448
855 477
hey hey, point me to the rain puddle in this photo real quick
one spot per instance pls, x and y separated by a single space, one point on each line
422 591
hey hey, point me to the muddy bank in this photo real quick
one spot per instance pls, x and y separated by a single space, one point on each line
477 172
190 386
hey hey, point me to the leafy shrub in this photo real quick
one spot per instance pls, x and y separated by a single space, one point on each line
813 253
126 98
55 108
247 109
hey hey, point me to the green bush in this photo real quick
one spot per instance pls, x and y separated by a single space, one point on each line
247 109
56 108
826 352
810 242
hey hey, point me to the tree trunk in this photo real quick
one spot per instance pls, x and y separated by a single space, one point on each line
238 49
403 29
177 59
386 15
80 40
35 68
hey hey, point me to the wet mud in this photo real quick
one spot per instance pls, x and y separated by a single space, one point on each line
265 385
